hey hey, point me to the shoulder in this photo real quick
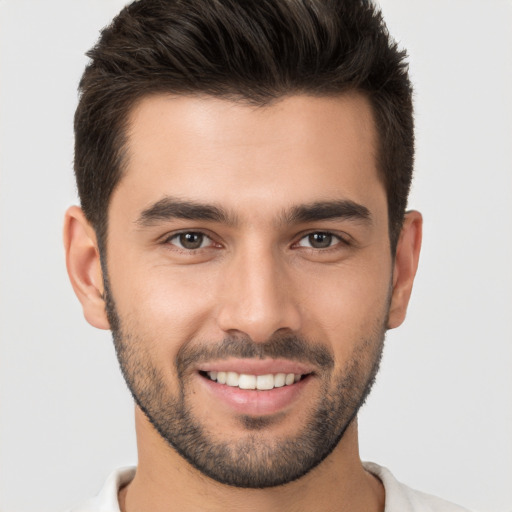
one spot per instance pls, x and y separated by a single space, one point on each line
106 500
403 498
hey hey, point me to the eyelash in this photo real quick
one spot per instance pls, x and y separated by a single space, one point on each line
168 240
339 240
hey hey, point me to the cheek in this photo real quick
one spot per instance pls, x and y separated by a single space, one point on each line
163 307
349 304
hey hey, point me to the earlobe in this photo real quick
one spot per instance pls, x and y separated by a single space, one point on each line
405 266
84 266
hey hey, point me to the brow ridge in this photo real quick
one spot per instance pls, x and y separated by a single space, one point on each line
326 210
169 208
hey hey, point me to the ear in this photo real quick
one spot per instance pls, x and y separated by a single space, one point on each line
405 266
84 267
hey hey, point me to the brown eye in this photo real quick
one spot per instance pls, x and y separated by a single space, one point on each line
319 240
190 240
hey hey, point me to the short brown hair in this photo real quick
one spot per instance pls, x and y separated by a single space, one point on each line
245 50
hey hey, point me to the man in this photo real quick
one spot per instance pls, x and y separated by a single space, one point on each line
243 170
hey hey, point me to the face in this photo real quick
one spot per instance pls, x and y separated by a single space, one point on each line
249 278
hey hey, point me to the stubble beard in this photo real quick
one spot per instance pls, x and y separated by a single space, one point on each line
254 460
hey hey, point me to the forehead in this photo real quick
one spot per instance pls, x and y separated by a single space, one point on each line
297 149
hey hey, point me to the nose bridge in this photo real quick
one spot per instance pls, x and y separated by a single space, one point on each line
256 298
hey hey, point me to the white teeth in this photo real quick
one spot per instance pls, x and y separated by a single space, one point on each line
279 380
247 381
261 382
265 382
232 379
290 379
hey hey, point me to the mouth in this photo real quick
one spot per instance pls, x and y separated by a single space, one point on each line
247 381
256 387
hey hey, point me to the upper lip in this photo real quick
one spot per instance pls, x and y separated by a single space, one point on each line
256 366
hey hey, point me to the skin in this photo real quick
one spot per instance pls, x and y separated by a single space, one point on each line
256 277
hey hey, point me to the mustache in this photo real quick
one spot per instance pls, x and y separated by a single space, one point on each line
287 346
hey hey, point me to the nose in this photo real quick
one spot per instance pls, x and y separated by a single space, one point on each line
257 296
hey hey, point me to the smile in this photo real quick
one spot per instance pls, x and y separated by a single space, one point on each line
257 382
258 388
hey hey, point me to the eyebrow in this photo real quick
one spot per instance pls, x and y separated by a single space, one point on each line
328 210
170 208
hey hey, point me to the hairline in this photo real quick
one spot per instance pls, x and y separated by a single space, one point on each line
125 122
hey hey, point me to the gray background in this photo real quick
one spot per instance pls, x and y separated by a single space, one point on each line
441 413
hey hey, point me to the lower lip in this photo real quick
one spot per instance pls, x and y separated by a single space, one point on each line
254 402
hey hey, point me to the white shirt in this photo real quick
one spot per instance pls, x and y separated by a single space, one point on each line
399 497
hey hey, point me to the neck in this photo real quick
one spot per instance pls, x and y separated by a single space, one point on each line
165 482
